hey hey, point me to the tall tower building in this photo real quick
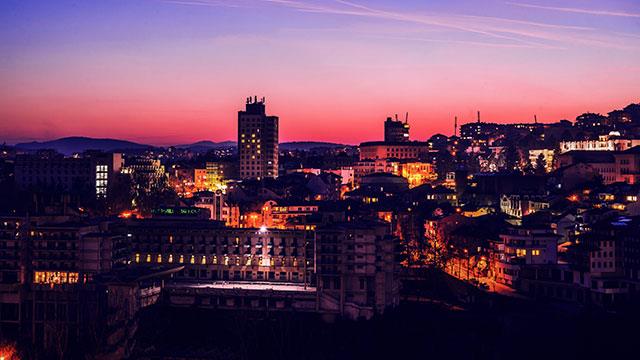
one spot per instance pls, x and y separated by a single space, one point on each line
396 130
257 141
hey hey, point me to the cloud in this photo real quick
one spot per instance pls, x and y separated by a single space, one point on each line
577 10
505 30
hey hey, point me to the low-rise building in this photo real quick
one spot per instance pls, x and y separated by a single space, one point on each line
522 246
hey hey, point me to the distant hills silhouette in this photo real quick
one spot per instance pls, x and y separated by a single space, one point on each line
77 144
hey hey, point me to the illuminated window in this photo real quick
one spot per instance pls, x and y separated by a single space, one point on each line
535 252
521 252
148 257
170 239
159 259
181 260
137 258
55 277
193 259
73 278
204 260
170 258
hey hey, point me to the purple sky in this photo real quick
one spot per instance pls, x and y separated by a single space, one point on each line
177 71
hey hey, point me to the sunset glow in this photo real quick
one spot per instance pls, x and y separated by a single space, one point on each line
177 71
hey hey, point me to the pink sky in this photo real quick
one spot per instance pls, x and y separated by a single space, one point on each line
168 72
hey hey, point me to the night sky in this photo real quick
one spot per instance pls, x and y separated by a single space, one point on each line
177 71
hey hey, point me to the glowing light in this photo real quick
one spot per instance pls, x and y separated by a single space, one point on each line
263 229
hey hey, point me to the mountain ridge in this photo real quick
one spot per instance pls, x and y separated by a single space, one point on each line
76 144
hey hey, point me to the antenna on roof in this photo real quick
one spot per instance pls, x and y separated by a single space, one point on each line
455 126
396 117
406 118
535 119
478 116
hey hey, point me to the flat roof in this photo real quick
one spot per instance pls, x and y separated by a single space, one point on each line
245 285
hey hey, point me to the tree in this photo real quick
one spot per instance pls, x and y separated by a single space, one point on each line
512 158
541 164
528 166
120 194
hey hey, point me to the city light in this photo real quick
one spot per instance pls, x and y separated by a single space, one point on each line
359 206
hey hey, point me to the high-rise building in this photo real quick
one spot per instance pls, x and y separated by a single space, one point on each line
88 172
396 130
257 141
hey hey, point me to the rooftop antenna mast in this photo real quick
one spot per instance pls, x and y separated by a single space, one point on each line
396 117
455 126
535 119
478 116
406 118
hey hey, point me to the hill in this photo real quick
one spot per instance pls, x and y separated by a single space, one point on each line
308 145
76 144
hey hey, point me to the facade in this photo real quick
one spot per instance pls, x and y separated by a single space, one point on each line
210 251
417 173
48 170
548 155
517 205
257 141
345 269
147 174
520 247
398 150
217 173
396 131
612 166
479 130
346 173
602 269
48 288
219 209
277 214
357 269
611 142
200 179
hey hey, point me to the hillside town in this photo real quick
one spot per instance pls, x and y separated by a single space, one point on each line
539 211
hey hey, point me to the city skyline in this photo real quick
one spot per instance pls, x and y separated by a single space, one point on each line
168 72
